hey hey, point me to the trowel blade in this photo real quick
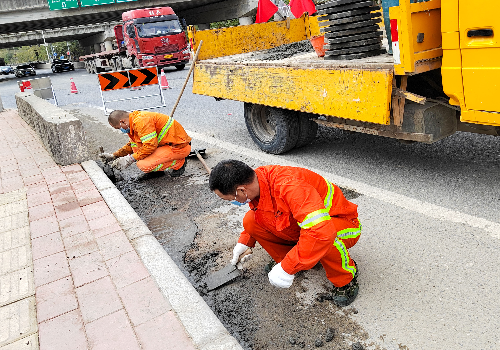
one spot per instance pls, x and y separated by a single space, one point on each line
221 277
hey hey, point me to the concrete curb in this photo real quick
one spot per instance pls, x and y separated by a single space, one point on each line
200 322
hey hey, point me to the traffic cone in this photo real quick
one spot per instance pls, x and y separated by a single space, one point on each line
74 90
163 81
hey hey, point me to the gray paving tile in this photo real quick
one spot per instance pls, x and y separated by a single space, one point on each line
18 320
16 285
14 238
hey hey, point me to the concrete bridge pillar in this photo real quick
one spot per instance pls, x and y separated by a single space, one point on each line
97 48
245 21
108 46
203 26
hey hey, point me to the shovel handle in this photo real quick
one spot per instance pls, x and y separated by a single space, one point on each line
203 161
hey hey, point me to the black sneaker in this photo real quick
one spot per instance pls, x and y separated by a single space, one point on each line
345 295
180 171
149 176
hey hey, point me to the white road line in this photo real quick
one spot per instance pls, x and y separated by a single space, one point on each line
415 205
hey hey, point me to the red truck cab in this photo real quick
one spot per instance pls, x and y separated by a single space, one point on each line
155 37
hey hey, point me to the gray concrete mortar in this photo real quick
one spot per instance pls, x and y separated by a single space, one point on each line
200 322
61 133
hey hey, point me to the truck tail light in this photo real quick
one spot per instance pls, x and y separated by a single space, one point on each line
395 41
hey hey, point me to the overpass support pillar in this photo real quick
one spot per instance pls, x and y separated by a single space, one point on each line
245 21
203 26
97 48
108 46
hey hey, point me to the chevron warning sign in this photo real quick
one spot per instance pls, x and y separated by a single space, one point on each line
128 78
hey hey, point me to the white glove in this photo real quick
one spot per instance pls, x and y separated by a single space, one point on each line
107 157
123 162
239 249
279 278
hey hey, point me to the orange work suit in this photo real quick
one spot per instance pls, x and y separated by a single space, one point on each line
157 142
301 219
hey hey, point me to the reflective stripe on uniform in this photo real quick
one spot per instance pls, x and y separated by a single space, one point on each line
171 165
165 128
315 218
320 215
149 136
158 167
349 232
133 144
345 256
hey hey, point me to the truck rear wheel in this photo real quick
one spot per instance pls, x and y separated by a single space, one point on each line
308 130
180 66
274 130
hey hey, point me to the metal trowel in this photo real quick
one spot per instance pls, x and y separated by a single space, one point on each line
226 274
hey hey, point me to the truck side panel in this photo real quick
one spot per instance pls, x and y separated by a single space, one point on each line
358 94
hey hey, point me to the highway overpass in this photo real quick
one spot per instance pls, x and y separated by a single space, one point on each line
29 21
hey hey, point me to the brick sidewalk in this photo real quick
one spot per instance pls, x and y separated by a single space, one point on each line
69 277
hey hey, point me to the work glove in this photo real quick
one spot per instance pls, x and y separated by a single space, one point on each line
123 162
239 249
279 278
107 157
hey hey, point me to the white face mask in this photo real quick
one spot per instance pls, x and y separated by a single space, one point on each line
239 204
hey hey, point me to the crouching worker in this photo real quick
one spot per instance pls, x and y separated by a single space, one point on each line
157 142
298 217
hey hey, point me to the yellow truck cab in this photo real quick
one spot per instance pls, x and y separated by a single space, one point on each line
441 78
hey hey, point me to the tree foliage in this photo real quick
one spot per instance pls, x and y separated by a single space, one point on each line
35 53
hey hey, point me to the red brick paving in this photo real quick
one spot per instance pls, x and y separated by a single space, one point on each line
92 289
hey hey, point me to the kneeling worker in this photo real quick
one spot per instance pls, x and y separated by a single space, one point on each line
157 142
298 217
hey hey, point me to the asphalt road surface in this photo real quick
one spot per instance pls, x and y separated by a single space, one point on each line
429 251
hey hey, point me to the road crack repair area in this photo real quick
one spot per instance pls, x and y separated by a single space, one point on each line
198 230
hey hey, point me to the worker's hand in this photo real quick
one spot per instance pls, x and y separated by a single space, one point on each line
239 249
107 157
123 162
279 278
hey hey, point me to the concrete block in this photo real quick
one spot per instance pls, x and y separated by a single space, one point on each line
61 134
1 105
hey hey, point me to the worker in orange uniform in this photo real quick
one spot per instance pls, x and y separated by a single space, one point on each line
157 142
298 217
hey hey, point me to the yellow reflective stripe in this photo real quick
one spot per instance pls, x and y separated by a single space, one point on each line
133 144
171 165
329 195
314 218
158 167
345 256
165 129
148 136
349 232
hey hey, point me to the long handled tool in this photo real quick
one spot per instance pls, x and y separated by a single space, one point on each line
199 153
187 78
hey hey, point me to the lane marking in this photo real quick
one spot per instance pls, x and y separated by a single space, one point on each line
415 205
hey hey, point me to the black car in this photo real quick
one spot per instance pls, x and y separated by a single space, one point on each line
61 65
23 70
6 70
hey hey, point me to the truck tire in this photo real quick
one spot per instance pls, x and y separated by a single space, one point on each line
112 64
307 130
180 66
274 130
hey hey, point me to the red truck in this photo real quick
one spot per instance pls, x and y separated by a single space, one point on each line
148 37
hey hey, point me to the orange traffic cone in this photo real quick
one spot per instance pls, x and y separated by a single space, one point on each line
74 90
163 81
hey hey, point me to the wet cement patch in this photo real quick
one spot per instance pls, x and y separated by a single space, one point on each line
198 230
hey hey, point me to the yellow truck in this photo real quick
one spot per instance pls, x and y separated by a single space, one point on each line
442 77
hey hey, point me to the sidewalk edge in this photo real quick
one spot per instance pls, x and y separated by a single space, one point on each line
199 321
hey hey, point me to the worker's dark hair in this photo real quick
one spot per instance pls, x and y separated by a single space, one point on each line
115 116
229 174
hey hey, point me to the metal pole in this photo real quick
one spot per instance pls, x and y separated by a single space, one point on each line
46 50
